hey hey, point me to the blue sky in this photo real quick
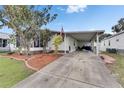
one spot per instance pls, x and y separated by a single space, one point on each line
83 18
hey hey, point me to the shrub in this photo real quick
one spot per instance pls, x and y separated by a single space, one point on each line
111 50
57 40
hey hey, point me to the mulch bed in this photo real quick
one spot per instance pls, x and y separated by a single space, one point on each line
36 61
39 61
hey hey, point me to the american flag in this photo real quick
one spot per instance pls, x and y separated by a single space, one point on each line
62 33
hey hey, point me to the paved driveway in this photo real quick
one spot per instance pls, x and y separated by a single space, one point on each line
77 69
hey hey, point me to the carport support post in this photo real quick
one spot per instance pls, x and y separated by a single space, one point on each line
97 44
65 43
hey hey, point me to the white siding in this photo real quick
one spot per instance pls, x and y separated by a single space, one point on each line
36 49
72 43
116 42
69 42
120 43
9 47
102 46
4 48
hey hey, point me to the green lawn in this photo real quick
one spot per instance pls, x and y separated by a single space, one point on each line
4 52
118 67
12 71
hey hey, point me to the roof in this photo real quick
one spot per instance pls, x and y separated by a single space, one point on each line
4 35
93 31
78 35
83 35
89 31
114 35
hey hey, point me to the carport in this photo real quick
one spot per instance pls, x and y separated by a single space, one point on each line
86 36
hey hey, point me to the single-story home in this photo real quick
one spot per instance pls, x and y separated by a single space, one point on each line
116 42
72 41
4 42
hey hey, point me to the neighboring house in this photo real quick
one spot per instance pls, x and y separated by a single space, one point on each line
4 42
4 38
115 41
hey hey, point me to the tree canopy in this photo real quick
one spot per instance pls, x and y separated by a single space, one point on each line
119 26
25 21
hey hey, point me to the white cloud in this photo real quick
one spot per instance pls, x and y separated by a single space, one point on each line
60 8
76 8
92 29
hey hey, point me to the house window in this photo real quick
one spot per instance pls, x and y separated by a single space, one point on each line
4 43
36 43
109 43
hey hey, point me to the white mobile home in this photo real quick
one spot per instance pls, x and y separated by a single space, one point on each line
73 40
115 41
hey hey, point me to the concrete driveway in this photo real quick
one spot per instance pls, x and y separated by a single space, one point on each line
74 70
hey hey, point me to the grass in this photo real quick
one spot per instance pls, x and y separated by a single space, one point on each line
118 67
12 71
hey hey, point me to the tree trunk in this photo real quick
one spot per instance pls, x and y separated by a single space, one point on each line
28 51
56 49
44 49
28 48
21 46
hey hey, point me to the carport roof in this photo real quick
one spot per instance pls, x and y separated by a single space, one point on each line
83 35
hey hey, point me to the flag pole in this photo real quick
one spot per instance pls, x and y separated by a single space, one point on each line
64 38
